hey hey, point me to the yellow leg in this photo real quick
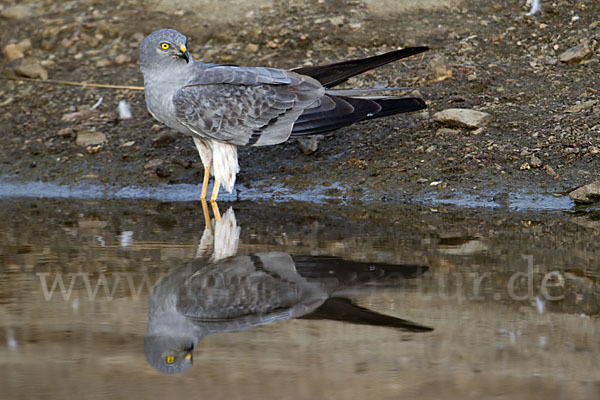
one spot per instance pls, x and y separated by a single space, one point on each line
216 211
205 182
213 200
206 214
215 191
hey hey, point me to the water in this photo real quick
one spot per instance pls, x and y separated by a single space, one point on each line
512 296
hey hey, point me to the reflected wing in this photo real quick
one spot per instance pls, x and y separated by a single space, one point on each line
240 287
245 106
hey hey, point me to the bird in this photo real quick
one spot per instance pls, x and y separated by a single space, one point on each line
224 106
239 292
222 291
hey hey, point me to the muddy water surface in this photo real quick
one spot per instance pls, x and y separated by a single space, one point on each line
512 299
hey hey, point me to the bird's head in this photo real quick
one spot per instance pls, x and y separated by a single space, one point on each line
169 354
164 48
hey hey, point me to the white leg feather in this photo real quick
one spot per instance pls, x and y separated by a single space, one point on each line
225 164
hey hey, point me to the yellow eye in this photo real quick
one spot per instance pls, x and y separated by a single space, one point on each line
165 46
170 359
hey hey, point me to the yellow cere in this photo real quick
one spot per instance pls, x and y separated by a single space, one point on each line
165 46
183 49
170 359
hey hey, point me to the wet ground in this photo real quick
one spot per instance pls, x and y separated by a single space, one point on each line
487 56
512 296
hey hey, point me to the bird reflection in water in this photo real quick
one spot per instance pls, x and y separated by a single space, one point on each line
220 291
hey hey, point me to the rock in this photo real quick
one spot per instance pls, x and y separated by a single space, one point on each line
587 194
337 21
65 133
310 144
12 52
24 45
462 117
122 59
28 67
251 48
90 138
576 54
438 69
535 162
17 12
154 163
581 106
102 63
164 139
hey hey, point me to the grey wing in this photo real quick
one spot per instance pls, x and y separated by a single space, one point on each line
236 288
245 106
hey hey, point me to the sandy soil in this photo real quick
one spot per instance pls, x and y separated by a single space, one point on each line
501 62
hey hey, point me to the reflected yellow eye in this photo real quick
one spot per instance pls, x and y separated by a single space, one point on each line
165 46
170 359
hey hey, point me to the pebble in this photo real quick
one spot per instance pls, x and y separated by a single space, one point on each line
90 138
12 52
251 48
587 194
581 106
462 117
122 59
154 163
576 54
164 139
438 69
28 67
102 63
535 162
17 12
310 144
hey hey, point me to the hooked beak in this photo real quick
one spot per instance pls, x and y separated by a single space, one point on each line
185 54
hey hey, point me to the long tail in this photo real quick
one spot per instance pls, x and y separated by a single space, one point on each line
331 75
345 111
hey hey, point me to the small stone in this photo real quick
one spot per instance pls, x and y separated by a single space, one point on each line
310 144
24 45
17 12
163 172
102 63
438 69
155 163
551 172
28 67
251 48
525 166
93 149
446 131
337 21
12 52
586 105
164 139
586 194
462 117
66 133
535 162
576 54
122 59
90 138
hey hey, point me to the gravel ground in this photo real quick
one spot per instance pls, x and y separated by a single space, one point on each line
544 135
